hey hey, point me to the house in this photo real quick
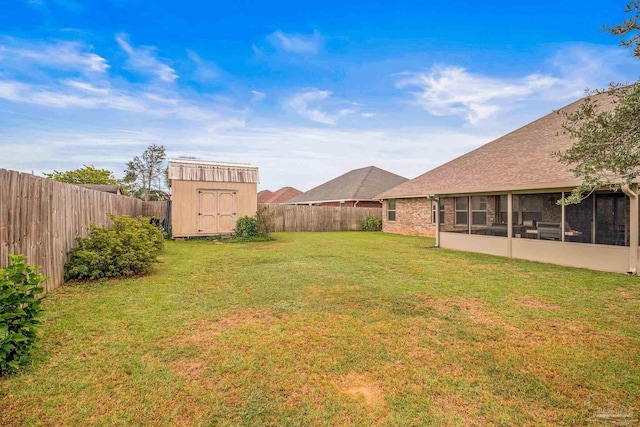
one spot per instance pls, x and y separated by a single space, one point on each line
280 196
356 188
208 197
106 188
264 195
501 199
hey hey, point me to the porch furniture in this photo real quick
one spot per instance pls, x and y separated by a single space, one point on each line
497 229
552 231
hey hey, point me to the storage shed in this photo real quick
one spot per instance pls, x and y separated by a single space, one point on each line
208 197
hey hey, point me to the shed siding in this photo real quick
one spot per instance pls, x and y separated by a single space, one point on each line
212 173
184 195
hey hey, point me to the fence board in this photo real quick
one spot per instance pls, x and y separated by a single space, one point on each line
42 218
319 218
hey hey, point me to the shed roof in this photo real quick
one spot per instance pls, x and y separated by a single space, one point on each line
358 184
520 160
202 170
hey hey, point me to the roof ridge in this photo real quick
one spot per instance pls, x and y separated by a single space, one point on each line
364 179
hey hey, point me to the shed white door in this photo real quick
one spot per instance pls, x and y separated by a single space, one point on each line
226 211
216 211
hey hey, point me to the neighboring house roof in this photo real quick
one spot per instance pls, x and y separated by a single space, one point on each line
280 196
520 160
358 184
115 189
264 195
203 170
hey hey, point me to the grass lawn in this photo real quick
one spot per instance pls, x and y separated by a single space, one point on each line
333 329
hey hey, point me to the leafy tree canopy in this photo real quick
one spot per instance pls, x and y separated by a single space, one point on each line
84 175
606 151
145 175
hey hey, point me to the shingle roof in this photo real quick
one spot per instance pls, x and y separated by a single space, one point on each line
264 195
358 184
520 160
282 195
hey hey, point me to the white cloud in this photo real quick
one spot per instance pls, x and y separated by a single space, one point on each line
584 66
88 87
257 96
309 103
452 90
297 43
205 70
144 60
71 94
67 56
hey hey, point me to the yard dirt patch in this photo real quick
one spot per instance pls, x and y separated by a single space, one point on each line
361 386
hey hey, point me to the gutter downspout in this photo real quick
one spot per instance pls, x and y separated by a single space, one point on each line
510 225
437 200
633 228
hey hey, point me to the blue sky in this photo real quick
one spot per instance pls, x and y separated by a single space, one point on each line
304 90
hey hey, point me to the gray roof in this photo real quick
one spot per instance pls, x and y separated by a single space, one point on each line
358 184
115 189
520 160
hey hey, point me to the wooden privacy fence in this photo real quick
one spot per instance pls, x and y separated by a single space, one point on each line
320 218
41 219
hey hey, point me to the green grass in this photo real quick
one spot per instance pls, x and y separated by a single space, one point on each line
333 329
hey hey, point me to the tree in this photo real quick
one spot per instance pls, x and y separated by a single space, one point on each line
84 175
144 174
606 151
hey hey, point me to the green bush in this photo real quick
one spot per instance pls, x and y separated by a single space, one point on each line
265 221
246 227
129 247
372 224
20 308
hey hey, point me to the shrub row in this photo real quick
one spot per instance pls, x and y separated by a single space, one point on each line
372 224
20 307
256 227
129 247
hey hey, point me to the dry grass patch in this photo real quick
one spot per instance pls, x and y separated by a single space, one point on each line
361 386
630 295
535 303
204 331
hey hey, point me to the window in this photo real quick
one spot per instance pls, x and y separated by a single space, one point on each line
434 206
391 210
462 210
502 209
478 210
342 204
433 211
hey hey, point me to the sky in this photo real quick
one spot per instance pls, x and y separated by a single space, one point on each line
306 91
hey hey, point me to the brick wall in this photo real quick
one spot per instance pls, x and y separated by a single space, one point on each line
413 218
